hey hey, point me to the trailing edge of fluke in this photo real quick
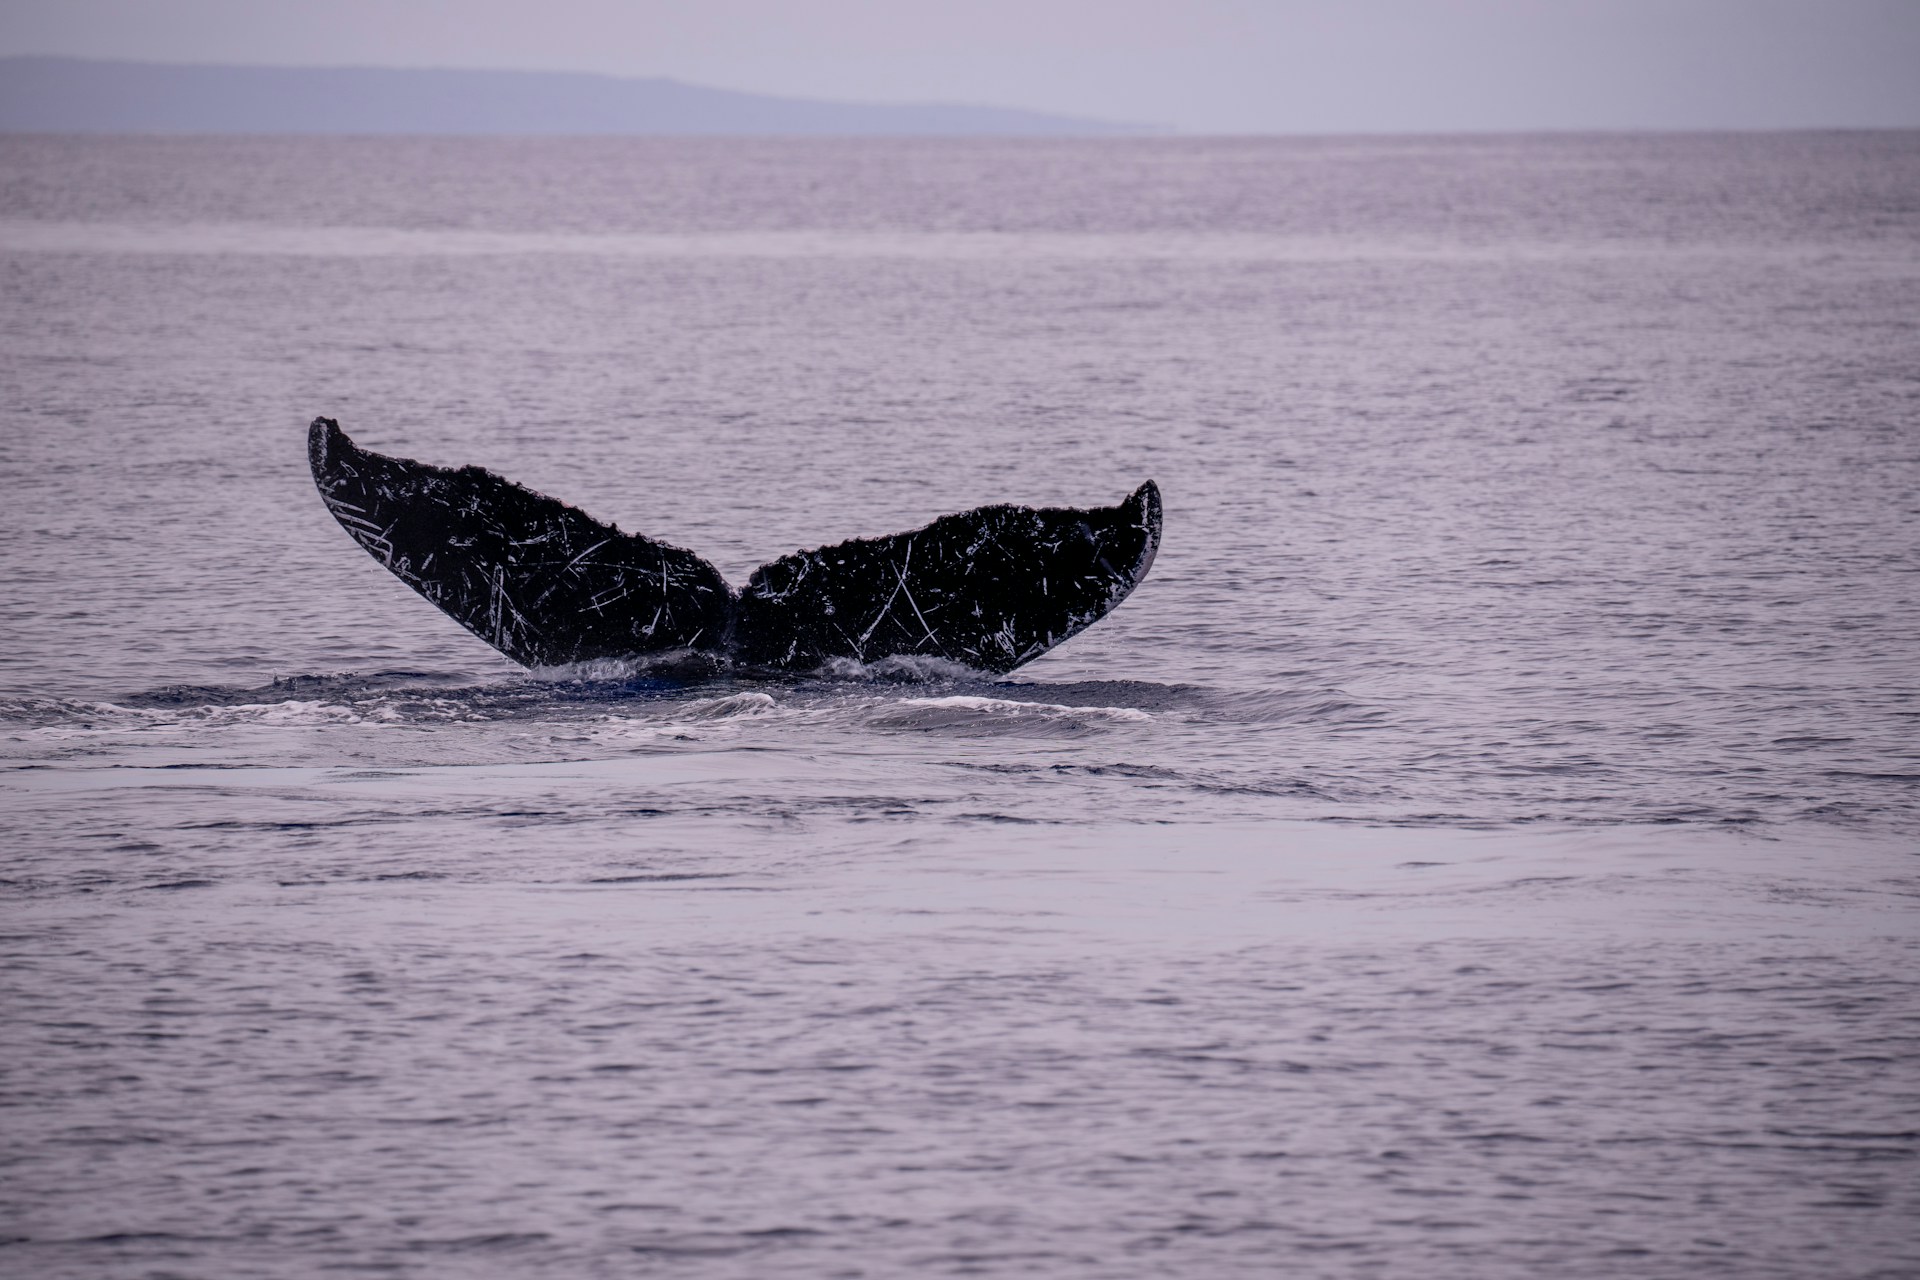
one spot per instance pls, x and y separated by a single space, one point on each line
547 584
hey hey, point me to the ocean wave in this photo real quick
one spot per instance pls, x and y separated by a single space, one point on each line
1292 706
731 707
977 714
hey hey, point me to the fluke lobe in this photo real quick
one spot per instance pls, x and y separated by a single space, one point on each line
547 584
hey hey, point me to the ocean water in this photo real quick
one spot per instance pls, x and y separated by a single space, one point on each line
1486 845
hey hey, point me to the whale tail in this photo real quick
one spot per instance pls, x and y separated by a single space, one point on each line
547 584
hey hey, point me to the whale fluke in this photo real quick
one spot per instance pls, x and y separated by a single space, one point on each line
541 581
547 584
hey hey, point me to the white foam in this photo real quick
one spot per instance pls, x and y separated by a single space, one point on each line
1010 707
732 707
906 667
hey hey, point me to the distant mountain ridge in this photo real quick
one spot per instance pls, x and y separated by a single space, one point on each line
76 95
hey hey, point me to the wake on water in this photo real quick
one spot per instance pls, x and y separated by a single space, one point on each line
842 690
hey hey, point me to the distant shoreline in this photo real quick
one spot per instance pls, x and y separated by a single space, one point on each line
87 96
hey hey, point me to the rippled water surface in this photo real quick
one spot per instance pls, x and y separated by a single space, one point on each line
1484 846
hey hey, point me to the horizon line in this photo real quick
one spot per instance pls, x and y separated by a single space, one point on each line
1110 129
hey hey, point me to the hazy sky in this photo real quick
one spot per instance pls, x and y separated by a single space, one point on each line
1198 65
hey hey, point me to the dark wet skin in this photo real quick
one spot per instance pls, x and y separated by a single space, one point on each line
547 584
